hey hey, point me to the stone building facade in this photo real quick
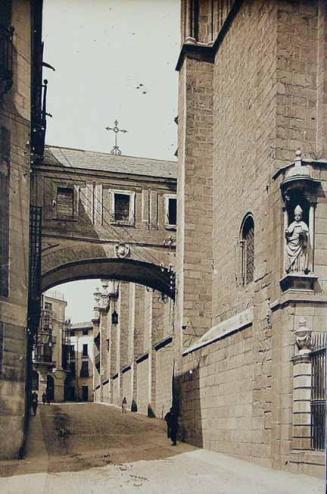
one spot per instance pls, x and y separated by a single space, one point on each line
50 364
133 347
20 43
63 354
252 148
80 360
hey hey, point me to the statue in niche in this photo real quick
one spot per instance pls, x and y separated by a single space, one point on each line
297 244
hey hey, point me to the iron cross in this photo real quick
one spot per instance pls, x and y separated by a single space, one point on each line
116 130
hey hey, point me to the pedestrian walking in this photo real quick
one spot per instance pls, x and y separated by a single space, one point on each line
124 405
167 419
35 400
172 425
44 398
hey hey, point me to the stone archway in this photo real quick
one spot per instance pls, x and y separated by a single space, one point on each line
143 273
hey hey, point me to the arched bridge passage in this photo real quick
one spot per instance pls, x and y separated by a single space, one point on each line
143 273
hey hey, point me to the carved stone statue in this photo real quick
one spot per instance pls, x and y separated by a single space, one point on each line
297 244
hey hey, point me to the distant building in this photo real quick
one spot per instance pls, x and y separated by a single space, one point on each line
79 381
50 365
63 355
133 347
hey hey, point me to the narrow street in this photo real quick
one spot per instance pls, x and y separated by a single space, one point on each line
91 448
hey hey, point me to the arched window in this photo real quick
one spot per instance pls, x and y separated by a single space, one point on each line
247 242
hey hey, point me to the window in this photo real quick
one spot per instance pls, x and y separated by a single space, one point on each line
48 306
123 207
170 211
72 332
194 11
65 202
247 243
85 354
85 332
84 369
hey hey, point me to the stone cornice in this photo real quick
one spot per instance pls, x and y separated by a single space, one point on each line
314 163
207 52
236 323
297 296
142 357
163 342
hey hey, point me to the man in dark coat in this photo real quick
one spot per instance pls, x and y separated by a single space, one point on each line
35 400
172 425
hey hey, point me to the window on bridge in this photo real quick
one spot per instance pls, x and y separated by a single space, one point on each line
170 211
123 207
65 202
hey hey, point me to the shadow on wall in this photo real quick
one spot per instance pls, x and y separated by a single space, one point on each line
186 400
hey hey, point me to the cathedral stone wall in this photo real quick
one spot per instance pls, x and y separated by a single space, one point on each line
246 105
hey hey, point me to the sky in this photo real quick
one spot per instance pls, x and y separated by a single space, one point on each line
114 59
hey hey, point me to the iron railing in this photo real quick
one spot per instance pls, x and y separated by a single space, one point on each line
6 59
318 391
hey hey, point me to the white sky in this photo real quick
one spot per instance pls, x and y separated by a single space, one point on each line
102 51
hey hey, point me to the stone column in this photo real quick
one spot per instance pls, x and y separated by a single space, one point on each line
301 431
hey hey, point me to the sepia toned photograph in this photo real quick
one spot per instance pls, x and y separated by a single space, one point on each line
163 246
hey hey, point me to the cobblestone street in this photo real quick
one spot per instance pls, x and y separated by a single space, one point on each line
90 448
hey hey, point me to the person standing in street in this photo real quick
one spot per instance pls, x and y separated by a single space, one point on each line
35 400
172 425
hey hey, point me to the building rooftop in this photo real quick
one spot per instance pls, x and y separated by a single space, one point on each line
96 161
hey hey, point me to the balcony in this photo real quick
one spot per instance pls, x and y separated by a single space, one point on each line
6 59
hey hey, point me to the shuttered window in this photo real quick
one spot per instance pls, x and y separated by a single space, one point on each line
172 212
65 202
122 205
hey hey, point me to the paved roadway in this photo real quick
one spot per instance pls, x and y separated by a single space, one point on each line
93 449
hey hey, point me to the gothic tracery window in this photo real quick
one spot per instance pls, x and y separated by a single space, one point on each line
248 250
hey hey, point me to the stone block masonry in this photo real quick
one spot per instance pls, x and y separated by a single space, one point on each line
141 368
15 116
247 102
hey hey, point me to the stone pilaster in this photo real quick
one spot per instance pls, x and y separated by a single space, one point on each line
301 429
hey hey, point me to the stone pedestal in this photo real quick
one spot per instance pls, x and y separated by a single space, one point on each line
298 281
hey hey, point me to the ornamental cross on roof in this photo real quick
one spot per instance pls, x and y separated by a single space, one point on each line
116 130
